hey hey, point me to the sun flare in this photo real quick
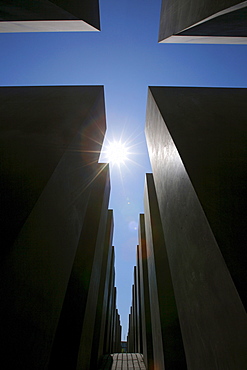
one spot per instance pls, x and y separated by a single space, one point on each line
116 153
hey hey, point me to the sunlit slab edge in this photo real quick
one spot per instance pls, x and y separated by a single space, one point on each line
210 39
46 26
175 39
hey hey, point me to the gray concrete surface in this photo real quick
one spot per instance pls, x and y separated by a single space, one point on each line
197 144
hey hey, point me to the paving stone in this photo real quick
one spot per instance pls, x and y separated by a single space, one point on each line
124 361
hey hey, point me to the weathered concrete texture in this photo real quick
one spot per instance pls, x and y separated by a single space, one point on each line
49 16
145 304
196 142
205 21
54 198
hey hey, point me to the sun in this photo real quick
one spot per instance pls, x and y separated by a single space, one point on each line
116 152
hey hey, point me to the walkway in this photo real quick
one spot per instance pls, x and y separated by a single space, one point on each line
123 361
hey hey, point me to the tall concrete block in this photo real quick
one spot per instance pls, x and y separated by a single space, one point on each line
103 302
196 142
131 345
78 320
134 305
145 304
113 326
41 128
138 303
208 129
49 16
107 335
113 334
137 330
135 318
119 333
117 336
99 326
168 351
206 21
50 143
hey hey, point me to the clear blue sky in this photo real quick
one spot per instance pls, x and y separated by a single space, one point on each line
126 58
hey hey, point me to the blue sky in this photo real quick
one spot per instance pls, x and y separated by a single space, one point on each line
126 58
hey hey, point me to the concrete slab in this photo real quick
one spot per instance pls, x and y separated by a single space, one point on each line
145 306
50 181
206 21
197 145
49 16
168 349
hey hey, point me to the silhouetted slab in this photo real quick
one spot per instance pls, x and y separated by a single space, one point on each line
101 325
38 125
49 16
147 340
80 313
138 304
50 143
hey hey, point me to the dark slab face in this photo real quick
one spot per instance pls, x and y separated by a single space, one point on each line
233 24
27 10
81 313
145 296
37 126
44 10
53 216
196 142
177 16
100 326
87 10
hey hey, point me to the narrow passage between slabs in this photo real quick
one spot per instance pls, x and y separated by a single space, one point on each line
118 361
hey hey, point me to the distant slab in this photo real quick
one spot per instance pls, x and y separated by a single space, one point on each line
49 16
200 22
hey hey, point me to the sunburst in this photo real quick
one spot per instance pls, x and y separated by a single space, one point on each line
116 153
